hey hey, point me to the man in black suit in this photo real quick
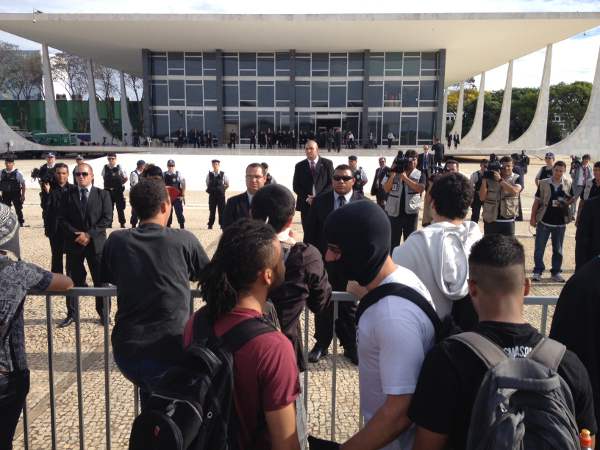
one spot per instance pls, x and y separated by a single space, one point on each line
587 238
426 162
238 206
85 214
322 206
382 172
312 176
438 151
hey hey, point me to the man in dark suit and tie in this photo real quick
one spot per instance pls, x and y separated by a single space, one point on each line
426 162
85 214
238 206
312 176
322 206
382 172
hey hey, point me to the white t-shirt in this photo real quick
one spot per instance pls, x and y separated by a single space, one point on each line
393 335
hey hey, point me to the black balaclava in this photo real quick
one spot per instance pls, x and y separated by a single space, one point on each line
362 232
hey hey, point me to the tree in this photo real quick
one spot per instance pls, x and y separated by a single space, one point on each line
136 85
105 78
8 59
70 71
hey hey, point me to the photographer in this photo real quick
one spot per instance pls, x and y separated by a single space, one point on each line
499 195
553 209
404 187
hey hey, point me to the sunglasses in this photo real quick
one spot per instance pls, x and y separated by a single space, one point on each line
342 178
81 174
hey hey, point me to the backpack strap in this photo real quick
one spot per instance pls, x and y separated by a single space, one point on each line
400 290
486 350
244 331
548 353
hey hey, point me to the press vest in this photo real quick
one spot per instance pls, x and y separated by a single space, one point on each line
499 204
545 196
412 199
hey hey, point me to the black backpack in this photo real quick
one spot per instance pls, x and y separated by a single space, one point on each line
442 327
192 406
522 403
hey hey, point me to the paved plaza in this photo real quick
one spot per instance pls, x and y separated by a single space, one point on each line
35 248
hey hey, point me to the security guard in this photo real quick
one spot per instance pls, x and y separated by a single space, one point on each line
114 179
12 187
216 185
45 176
359 174
176 183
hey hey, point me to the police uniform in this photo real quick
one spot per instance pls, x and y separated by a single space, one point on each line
113 183
360 179
176 181
11 184
216 184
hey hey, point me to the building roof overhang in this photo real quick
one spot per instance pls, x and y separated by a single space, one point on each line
474 42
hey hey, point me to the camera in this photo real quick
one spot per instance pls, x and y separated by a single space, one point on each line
400 164
45 178
493 166
575 165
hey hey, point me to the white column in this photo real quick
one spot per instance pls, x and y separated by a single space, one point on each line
587 134
535 136
97 131
126 128
442 138
499 137
473 137
53 122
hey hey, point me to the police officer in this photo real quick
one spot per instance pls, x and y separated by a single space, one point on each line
134 178
12 186
114 179
45 176
52 200
216 185
78 160
174 180
360 176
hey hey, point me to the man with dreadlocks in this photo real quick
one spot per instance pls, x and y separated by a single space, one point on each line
246 266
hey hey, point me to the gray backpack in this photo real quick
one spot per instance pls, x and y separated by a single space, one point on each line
522 403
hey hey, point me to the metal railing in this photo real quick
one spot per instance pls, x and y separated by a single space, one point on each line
107 293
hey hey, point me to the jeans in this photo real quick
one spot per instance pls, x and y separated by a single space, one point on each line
13 390
144 373
504 228
557 235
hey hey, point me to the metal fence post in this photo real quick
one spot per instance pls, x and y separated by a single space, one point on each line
106 320
334 370
49 331
78 366
25 426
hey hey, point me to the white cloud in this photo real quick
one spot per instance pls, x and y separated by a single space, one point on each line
573 59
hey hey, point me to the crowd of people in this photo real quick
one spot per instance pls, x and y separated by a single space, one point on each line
443 298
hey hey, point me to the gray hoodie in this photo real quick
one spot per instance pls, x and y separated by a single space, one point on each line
438 254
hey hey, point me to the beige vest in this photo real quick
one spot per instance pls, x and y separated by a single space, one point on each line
507 203
546 194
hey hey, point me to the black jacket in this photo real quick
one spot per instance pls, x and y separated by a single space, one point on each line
430 163
380 174
237 207
322 206
51 208
575 321
587 238
97 218
303 181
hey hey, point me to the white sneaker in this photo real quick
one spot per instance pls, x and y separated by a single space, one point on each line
536 277
557 278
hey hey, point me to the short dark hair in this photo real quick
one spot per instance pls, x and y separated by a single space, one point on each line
152 171
264 165
342 167
452 194
491 261
352 158
597 164
273 204
451 161
410 154
560 164
255 166
484 161
111 154
244 250
506 159
146 197
61 165
586 156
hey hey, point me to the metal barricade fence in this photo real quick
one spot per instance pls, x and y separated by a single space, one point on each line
108 292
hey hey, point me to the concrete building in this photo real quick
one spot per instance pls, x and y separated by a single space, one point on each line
367 73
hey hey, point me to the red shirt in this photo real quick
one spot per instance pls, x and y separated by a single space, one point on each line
265 376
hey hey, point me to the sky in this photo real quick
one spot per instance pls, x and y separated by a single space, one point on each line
572 60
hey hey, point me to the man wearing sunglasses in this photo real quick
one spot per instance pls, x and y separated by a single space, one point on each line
322 206
85 214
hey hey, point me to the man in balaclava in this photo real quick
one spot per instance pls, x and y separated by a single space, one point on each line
16 278
393 334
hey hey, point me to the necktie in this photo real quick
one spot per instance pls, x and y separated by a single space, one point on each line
425 158
84 198
341 201
312 168
586 173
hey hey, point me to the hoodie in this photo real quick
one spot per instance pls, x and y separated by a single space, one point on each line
439 256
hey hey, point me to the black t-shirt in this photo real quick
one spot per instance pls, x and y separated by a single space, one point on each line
555 212
452 373
595 190
152 267
545 172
